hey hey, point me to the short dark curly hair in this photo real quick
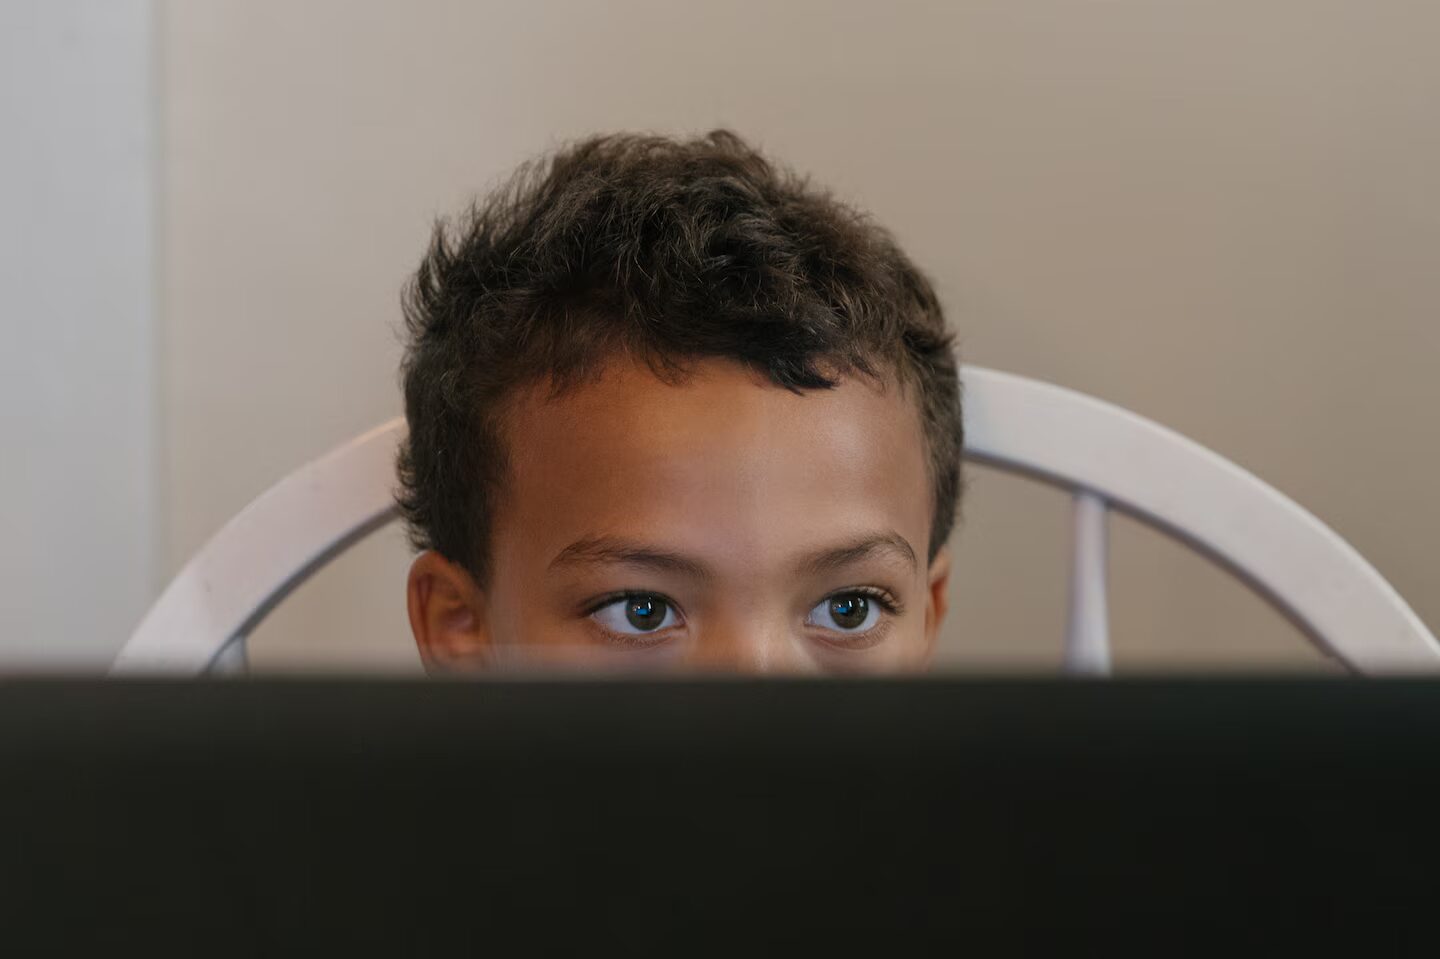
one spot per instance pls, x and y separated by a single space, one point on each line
671 250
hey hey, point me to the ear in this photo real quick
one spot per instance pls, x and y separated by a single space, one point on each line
937 600
446 614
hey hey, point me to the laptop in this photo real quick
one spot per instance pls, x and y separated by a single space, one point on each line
267 817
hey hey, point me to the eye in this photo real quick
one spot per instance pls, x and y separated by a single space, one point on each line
846 612
636 614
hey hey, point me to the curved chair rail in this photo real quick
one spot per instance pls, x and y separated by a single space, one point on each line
1107 456
262 554
1282 551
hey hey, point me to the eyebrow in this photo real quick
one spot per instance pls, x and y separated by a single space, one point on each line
610 549
866 547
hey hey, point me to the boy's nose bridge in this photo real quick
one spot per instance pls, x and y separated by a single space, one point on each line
751 648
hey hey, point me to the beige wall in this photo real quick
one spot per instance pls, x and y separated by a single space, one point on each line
1225 215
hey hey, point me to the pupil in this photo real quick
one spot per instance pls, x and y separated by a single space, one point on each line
646 613
849 611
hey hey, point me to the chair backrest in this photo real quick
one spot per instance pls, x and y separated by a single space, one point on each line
1108 457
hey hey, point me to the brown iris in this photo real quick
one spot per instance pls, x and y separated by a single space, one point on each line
645 612
849 612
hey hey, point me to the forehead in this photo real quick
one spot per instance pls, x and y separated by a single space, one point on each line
722 461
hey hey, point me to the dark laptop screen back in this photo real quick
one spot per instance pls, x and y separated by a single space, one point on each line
239 816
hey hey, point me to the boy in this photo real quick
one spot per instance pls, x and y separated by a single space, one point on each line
672 407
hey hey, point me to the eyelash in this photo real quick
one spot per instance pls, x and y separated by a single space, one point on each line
885 599
600 602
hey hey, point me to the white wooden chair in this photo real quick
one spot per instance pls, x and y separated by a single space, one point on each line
1108 457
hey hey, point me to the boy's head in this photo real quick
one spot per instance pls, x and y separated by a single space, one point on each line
670 404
